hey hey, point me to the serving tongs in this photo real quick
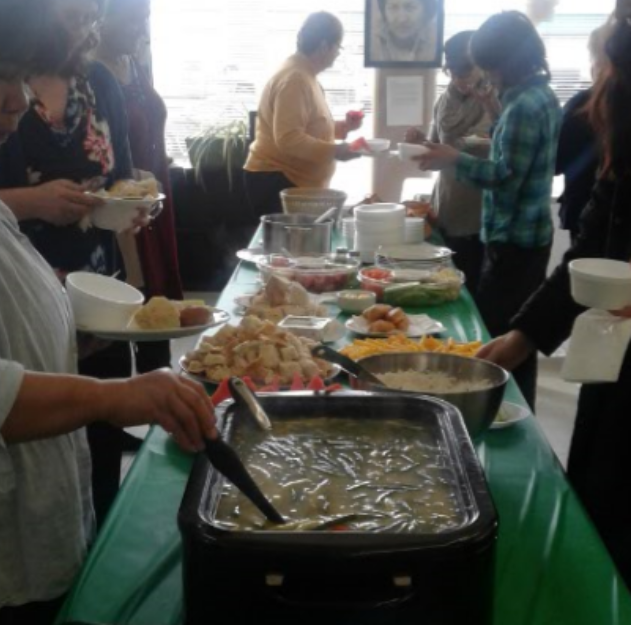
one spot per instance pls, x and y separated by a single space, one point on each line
245 398
226 460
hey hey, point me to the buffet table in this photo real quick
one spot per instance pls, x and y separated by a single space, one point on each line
551 566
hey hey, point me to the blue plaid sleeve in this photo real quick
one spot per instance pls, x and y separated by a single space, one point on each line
516 142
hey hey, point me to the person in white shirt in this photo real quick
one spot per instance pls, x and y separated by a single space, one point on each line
46 515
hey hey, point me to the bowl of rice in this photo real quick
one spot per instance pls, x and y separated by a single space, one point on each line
475 387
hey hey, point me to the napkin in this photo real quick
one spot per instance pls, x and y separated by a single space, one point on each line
598 347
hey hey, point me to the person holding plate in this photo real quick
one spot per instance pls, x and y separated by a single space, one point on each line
459 117
47 521
295 143
517 177
73 137
599 466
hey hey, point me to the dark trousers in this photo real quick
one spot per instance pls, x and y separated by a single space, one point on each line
468 258
106 442
152 355
510 276
263 192
35 613
599 467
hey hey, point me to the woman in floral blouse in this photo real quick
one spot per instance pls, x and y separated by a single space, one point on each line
73 138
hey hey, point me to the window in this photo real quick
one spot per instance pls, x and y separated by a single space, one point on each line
566 36
211 58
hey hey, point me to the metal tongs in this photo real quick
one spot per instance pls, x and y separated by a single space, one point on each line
244 397
226 461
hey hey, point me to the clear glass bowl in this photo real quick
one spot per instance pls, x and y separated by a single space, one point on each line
317 274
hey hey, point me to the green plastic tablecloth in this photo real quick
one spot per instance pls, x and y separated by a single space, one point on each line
551 566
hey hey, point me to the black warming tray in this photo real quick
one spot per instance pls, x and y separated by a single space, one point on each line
264 577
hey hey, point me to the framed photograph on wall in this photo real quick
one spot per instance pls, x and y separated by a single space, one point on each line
404 33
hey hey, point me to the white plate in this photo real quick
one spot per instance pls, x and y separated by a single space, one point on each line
510 414
334 372
421 325
421 252
373 153
138 335
252 255
474 140
118 214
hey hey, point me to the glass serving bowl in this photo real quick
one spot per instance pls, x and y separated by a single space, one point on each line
316 273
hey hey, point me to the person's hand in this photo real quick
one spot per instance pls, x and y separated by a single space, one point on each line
415 135
62 202
354 120
508 351
343 152
625 313
438 157
180 406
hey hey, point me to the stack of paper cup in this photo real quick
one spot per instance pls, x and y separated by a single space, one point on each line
415 230
348 230
378 225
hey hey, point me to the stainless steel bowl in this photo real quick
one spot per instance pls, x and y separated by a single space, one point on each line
297 234
479 408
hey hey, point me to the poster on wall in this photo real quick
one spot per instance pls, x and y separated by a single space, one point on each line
404 33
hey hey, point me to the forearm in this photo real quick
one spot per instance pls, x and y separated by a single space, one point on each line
549 316
482 173
51 405
21 202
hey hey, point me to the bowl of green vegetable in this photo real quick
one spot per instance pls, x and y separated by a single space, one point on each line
403 287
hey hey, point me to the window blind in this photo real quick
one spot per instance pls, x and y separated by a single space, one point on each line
566 36
212 58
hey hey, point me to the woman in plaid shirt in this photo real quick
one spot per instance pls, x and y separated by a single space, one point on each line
517 177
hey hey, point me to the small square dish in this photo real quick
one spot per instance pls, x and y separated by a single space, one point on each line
315 328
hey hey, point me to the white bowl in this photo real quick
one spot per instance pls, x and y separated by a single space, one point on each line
118 215
379 145
407 151
102 303
386 213
601 283
355 302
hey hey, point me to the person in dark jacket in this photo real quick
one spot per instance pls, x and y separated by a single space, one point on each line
74 136
578 158
599 467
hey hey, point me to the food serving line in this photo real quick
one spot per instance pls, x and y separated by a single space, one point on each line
550 566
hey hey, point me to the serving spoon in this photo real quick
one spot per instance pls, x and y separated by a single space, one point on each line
348 365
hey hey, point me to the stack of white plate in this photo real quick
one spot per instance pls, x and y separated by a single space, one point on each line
415 230
422 256
378 225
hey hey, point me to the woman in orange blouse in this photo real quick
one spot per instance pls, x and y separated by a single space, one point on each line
296 133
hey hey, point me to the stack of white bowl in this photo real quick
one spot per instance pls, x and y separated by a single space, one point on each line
378 225
415 230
